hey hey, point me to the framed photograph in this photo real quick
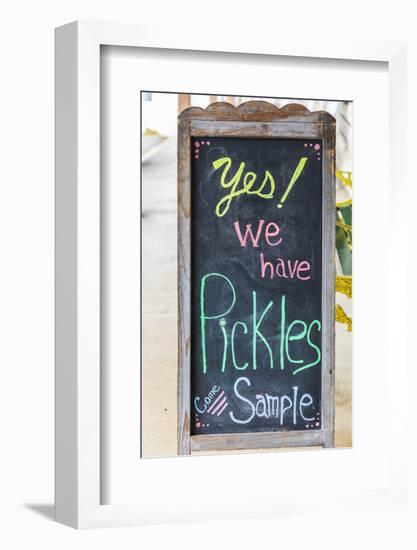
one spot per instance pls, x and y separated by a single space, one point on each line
208 353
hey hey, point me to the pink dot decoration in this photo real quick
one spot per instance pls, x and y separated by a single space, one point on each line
317 147
196 144
305 144
196 156
317 424
198 424
202 143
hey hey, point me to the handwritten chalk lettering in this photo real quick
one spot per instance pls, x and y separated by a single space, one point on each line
271 231
286 409
286 269
252 328
256 285
202 404
242 183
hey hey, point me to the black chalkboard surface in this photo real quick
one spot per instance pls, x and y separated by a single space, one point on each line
256 284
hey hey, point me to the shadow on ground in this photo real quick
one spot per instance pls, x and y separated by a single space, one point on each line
45 510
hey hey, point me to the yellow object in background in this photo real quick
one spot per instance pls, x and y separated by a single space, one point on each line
344 285
341 317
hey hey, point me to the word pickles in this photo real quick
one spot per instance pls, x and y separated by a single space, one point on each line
290 334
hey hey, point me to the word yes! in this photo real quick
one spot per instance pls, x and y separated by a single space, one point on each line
243 182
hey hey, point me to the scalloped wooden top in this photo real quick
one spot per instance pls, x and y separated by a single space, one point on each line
259 111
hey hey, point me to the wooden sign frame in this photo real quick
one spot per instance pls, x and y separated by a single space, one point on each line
255 119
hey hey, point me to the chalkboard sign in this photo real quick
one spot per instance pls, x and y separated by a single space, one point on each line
256 281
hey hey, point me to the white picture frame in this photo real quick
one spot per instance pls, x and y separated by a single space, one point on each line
78 404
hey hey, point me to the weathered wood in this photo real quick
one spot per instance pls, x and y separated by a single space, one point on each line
256 119
260 440
184 299
258 111
250 129
328 283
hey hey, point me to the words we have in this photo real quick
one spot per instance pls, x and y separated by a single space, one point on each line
278 267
